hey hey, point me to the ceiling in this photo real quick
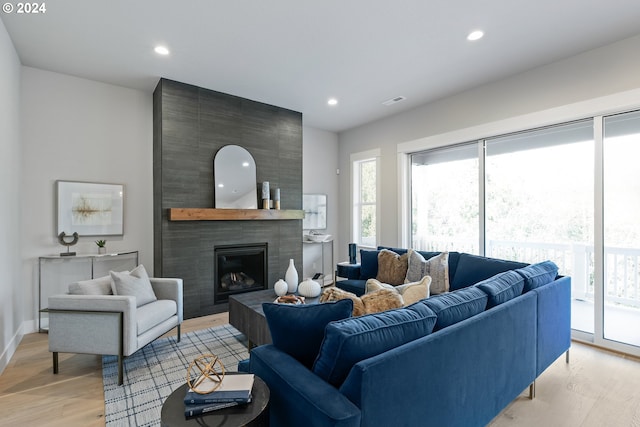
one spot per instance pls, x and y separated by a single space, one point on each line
297 54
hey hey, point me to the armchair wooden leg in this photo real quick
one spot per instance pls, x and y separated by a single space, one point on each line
178 333
55 362
567 357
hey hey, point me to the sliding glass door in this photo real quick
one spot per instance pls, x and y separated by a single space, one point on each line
569 193
621 223
539 205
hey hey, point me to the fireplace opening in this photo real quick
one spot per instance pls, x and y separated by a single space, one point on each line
239 268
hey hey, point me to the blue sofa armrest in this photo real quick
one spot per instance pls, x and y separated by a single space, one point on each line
553 321
348 271
354 286
298 397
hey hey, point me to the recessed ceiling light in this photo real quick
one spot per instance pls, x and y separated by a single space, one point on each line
332 101
221 185
245 164
161 50
475 35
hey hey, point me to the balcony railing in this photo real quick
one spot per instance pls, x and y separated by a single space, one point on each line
621 269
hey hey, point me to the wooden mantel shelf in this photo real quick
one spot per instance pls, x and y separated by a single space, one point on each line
205 214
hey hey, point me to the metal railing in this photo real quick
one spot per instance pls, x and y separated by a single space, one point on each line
621 269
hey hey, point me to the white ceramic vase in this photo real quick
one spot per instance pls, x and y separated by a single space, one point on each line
281 287
309 288
291 277
102 250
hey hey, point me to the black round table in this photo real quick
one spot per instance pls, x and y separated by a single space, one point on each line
252 414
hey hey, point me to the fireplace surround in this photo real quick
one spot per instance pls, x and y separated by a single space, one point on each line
238 269
190 124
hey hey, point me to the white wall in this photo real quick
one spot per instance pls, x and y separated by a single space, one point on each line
80 130
604 71
320 161
11 295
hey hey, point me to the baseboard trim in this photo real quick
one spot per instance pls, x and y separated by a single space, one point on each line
12 346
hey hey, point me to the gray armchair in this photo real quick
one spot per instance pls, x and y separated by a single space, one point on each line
112 324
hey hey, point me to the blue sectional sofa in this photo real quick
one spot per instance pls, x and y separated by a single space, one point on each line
455 359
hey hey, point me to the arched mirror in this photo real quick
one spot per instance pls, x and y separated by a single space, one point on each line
234 176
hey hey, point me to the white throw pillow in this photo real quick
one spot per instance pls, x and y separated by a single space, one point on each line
97 286
437 267
135 283
410 292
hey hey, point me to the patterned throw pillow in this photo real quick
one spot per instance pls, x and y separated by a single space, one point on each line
436 267
392 268
410 292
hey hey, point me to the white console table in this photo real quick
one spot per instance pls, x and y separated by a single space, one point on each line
57 272
325 257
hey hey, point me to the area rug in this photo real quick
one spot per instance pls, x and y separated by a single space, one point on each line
152 373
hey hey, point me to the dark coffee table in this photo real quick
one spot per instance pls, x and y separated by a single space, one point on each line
255 413
246 315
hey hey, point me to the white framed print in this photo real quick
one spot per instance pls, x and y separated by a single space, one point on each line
90 209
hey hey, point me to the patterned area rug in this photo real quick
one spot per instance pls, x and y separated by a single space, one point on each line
152 373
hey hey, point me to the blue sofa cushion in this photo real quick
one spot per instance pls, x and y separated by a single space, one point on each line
349 341
536 275
474 268
298 330
454 307
502 287
368 264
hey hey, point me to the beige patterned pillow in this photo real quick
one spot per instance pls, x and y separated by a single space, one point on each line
436 267
410 292
392 268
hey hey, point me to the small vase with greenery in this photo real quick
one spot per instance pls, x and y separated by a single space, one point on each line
101 246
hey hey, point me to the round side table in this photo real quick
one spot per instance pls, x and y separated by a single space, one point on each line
252 414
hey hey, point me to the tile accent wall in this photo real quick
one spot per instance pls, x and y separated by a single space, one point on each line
190 125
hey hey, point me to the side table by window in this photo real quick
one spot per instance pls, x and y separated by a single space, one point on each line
57 272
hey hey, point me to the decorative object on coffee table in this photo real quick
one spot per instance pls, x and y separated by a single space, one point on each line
280 287
252 414
61 238
309 288
291 277
208 366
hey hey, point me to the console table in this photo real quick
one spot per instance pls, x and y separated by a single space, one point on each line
56 272
327 278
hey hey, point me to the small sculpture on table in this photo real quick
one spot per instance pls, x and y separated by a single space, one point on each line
210 367
61 239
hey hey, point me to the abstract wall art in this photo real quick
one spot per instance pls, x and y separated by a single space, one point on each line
90 209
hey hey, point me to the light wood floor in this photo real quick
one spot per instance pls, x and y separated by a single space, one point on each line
31 395
596 389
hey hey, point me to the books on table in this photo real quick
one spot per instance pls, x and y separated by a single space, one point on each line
234 390
195 410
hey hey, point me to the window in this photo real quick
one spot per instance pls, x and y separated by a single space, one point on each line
569 193
364 173
444 199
